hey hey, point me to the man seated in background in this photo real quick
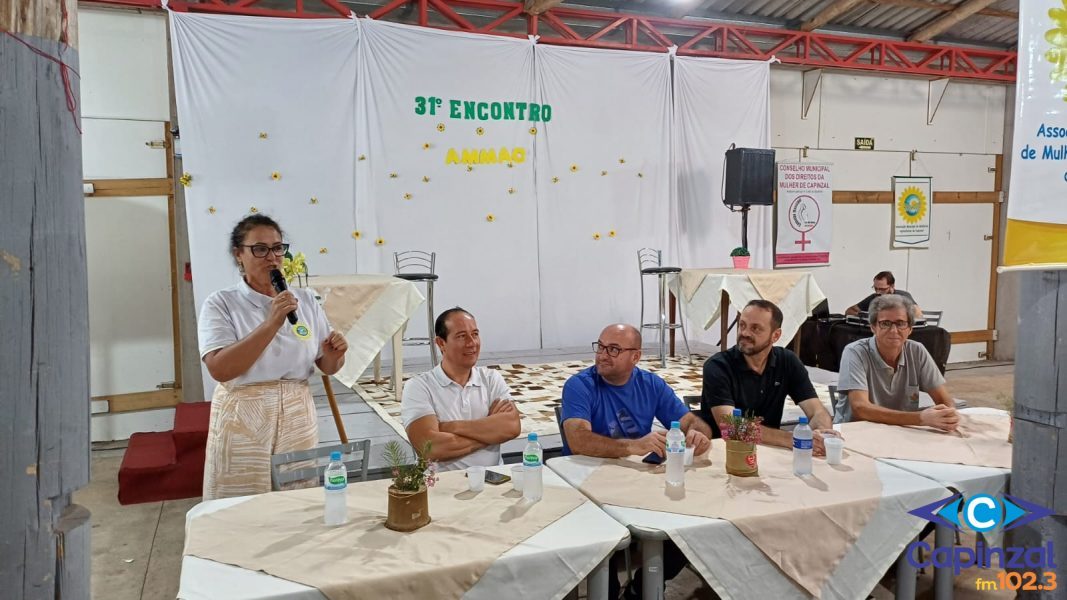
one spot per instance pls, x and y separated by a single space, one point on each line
608 411
881 376
464 411
884 283
756 376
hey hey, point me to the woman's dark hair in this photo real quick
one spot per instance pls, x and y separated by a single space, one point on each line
241 229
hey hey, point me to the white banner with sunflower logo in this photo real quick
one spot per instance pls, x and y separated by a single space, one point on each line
1037 214
912 205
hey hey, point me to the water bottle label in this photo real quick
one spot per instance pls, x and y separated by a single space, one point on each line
336 482
800 444
677 447
531 461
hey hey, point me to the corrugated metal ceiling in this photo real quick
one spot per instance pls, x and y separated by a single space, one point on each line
892 18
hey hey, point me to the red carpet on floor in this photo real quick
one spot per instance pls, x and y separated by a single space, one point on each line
167 465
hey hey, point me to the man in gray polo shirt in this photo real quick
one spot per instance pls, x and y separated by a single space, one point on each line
883 375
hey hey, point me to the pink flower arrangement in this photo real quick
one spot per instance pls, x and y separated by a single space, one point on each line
742 429
410 476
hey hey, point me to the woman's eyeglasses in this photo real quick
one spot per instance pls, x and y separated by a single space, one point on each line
261 250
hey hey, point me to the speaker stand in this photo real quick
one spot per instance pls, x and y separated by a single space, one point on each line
744 227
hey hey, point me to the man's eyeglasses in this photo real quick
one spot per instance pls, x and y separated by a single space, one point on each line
900 325
612 351
261 250
880 290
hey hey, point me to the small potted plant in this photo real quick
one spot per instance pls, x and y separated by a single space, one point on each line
742 434
741 257
409 506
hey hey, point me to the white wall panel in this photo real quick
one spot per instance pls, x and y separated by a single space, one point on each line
953 275
786 154
956 172
860 249
123 58
787 128
130 338
891 110
863 170
120 426
969 119
894 112
115 149
965 353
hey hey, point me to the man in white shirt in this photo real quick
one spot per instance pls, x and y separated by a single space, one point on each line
464 411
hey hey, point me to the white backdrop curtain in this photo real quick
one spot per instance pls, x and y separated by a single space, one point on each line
489 268
413 199
259 96
603 177
337 102
717 103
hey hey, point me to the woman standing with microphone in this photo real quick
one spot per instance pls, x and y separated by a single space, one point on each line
262 405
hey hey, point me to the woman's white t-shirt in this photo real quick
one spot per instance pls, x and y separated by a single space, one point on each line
231 314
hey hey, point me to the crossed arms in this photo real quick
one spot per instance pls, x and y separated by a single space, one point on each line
454 439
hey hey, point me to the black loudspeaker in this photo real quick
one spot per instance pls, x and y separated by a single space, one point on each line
749 177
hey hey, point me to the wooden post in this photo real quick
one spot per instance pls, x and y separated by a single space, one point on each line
44 314
1039 459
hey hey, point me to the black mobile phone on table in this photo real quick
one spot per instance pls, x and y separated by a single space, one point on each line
494 478
653 459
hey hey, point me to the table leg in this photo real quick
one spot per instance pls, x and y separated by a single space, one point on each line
333 408
944 537
598 581
724 319
378 368
398 364
906 574
652 555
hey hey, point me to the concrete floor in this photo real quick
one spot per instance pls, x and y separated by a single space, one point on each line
137 549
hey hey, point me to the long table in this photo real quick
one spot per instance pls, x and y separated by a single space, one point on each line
964 479
560 555
735 568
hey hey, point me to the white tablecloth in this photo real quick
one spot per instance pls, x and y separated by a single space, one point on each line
384 318
703 308
736 569
547 565
965 479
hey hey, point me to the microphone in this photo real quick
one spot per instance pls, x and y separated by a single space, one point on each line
278 282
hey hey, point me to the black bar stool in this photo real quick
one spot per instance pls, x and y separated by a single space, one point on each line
650 262
418 266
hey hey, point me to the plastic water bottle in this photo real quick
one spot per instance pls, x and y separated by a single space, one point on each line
335 480
532 461
802 448
675 455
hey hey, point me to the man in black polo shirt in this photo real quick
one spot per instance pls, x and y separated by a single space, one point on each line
756 376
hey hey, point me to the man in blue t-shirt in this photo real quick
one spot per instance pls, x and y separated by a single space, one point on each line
608 408
608 411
